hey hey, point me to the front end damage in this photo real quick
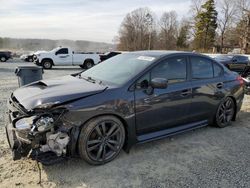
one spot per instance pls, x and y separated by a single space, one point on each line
40 134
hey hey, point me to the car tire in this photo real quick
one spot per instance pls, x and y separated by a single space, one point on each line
47 64
30 60
3 59
101 140
225 113
88 64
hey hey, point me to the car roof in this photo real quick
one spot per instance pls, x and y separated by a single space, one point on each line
162 53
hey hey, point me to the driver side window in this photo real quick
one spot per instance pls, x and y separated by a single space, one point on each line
173 69
62 51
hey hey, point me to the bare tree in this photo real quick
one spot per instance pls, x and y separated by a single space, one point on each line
195 9
168 30
244 29
136 30
227 13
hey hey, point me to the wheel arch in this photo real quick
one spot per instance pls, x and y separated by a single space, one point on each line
48 59
88 59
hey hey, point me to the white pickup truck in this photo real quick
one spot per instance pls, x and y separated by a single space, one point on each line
65 57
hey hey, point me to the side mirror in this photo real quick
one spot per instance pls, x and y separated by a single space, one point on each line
56 53
159 83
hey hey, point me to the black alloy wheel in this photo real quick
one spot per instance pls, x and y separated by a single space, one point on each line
225 112
101 140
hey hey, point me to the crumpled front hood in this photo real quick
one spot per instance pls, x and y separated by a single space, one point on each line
57 90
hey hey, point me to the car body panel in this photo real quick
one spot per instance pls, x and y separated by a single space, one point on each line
146 116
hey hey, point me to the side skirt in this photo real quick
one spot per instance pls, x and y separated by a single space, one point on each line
171 131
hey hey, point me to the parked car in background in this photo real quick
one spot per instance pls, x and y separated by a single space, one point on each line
27 57
233 62
66 57
108 55
5 55
131 98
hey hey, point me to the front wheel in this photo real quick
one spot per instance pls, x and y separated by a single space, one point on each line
3 59
47 64
225 113
101 140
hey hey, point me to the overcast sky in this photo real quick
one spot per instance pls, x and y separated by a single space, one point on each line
94 20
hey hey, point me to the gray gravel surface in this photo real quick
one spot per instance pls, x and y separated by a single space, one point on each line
207 157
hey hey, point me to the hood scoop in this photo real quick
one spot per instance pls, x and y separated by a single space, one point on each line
39 84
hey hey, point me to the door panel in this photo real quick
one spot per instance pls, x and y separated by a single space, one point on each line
62 57
163 109
207 95
207 87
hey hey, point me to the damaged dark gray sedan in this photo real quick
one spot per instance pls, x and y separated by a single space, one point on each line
131 98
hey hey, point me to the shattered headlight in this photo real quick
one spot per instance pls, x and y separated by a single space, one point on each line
44 123
24 123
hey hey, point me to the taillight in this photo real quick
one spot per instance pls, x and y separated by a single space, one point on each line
239 78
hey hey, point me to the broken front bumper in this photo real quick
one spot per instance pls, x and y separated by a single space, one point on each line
19 147
47 143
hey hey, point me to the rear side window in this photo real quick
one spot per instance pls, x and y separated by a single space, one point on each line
63 51
202 68
242 58
173 69
217 70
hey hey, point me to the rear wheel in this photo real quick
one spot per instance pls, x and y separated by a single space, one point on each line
88 64
3 59
101 140
47 64
225 113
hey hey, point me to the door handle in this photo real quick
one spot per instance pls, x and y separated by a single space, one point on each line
219 85
186 92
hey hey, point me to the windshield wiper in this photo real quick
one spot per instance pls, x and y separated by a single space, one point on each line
89 79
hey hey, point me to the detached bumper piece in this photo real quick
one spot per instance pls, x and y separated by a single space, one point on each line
46 158
36 136
19 149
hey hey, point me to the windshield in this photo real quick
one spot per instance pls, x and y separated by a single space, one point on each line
107 53
224 57
119 69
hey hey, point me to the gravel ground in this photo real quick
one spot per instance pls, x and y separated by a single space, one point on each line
207 157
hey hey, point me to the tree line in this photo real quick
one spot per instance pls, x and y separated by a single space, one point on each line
212 26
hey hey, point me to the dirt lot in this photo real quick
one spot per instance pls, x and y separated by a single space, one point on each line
207 157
